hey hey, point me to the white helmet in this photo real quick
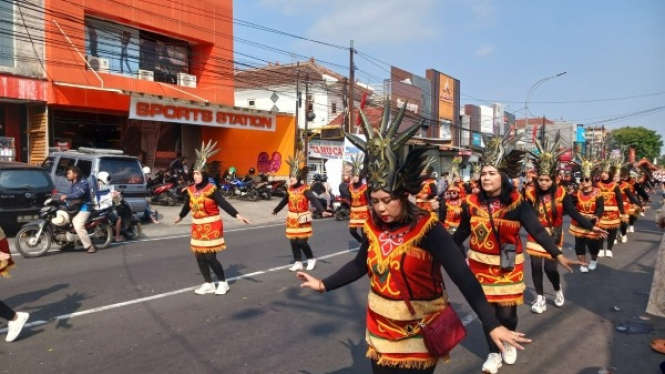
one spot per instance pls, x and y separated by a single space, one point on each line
146 170
104 177
61 218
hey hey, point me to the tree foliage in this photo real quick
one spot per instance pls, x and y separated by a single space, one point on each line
647 143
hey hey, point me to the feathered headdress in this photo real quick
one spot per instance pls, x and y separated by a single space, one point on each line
454 171
356 165
500 153
546 160
297 169
475 170
586 166
384 172
202 156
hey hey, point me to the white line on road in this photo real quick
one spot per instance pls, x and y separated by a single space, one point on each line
167 294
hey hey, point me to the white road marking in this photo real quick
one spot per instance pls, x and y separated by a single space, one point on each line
166 294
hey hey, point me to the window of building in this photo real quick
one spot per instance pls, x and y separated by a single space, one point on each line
6 33
114 48
251 103
334 108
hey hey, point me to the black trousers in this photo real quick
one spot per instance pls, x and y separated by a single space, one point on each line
380 369
581 244
551 271
359 236
6 312
300 246
207 261
507 316
611 237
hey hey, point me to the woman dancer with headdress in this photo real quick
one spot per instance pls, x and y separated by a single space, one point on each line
405 249
550 202
359 206
493 219
426 197
203 199
450 207
299 219
612 205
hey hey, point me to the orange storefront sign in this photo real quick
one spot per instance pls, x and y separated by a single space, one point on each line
156 110
446 97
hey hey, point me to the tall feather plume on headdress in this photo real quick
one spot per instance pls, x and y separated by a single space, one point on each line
500 153
203 155
297 169
547 158
356 165
586 165
475 170
381 147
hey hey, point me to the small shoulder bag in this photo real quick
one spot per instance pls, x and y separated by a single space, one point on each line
507 251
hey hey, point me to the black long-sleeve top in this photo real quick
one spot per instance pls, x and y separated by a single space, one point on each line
308 194
440 244
570 209
631 197
640 191
217 196
524 214
618 197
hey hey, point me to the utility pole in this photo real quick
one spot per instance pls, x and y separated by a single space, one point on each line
542 132
298 102
352 90
307 118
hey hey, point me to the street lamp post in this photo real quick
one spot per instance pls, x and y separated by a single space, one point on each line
531 91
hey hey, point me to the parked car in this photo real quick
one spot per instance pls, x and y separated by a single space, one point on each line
126 171
23 190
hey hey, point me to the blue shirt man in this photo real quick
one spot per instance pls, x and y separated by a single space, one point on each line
80 191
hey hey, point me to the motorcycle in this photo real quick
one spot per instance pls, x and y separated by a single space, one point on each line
242 188
263 188
161 189
342 208
278 187
35 238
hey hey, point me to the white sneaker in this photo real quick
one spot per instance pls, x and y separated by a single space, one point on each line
509 354
584 269
558 298
641 215
14 327
493 363
222 288
205 288
631 228
296 266
601 253
608 253
311 263
594 264
624 238
538 307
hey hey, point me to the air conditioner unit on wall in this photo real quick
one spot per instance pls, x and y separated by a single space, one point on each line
146 75
186 80
99 64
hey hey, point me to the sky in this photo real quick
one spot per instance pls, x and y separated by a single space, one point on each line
613 51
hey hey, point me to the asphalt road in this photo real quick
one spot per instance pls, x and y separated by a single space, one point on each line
131 309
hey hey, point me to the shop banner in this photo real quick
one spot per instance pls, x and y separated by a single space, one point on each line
352 150
166 111
326 149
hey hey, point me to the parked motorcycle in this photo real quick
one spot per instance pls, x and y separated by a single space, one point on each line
342 208
278 187
54 226
264 188
161 189
246 189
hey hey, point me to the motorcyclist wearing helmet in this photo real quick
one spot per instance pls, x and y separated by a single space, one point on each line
105 187
79 193
231 174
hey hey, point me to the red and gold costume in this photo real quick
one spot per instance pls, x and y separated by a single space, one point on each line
453 214
298 208
628 207
423 199
611 218
207 226
359 205
462 189
504 288
586 205
545 207
393 333
4 248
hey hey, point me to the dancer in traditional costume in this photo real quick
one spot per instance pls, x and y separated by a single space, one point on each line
612 205
426 197
450 208
203 199
493 219
299 218
15 320
405 250
359 205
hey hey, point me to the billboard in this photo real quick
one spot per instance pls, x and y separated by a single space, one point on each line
404 91
486 119
497 118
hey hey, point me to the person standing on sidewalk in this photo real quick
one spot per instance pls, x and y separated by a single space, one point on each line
406 249
550 202
613 206
590 203
203 199
15 320
359 211
299 219
493 218
79 196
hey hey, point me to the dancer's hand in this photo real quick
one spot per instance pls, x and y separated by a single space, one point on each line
568 263
601 232
310 282
178 220
274 213
242 219
502 335
5 256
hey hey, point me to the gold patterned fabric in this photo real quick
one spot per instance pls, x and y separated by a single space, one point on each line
207 226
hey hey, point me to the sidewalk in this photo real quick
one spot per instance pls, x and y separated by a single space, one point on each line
258 212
